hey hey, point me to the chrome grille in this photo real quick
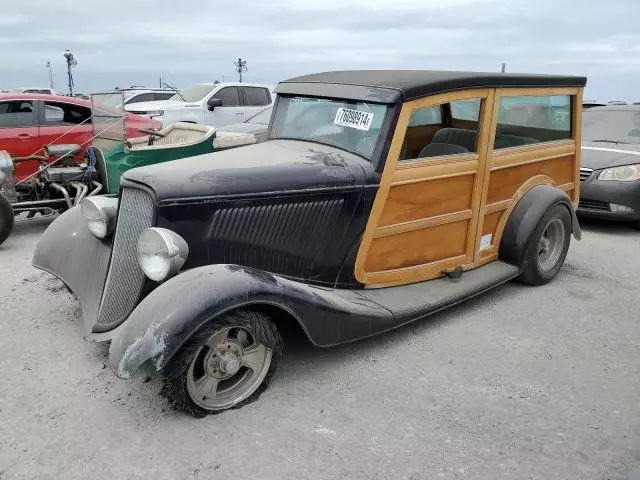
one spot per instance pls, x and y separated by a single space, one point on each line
585 173
125 279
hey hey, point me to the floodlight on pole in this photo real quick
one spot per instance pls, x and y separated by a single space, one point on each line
71 62
241 66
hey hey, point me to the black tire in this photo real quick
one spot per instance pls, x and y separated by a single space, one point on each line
6 218
533 271
175 376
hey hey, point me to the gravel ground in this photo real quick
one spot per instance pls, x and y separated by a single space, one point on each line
522 383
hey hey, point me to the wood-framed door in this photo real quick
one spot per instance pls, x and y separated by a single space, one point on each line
425 216
512 172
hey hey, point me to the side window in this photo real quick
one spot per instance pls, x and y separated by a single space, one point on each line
229 97
526 120
426 116
466 109
442 138
16 113
143 97
164 95
58 113
257 97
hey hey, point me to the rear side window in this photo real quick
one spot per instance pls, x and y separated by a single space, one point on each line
164 95
16 113
229 97
526 120
59 113
257 97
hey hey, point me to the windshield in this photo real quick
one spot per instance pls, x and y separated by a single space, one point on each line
194 93
261 118
354 126
611 126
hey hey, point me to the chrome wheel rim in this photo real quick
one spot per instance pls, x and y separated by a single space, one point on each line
551 244
227 368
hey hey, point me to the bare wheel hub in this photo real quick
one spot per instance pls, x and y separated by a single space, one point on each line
225 360
229 364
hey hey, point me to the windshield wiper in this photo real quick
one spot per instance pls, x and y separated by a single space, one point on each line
175 90
604 140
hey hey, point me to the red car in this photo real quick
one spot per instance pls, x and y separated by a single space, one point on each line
28 122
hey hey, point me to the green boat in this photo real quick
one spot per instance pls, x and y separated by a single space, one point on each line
112 153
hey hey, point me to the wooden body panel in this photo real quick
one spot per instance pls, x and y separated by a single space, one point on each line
435 214
427 198
418 247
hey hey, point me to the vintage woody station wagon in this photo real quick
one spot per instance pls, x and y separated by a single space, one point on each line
380 197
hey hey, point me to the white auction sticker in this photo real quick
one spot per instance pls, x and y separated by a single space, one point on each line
353 119
485 241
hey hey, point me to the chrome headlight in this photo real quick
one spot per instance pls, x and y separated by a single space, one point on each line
161 253
100 214
626 173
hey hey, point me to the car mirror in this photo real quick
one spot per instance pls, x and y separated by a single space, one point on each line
213 103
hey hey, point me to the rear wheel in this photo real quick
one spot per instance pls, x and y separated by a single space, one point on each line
547 247
6 218
227 364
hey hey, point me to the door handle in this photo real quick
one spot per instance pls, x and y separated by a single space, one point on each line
238 113
24 136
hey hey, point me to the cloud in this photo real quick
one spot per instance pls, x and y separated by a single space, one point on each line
124 43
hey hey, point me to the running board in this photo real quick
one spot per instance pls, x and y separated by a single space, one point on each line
348 315
418 300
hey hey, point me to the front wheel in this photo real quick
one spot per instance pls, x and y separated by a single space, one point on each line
547 247
6 218
227 364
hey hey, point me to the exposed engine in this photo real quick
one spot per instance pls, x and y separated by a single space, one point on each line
58 184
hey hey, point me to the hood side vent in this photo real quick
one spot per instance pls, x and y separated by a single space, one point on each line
286 238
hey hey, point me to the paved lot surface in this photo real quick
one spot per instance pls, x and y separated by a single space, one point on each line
523 383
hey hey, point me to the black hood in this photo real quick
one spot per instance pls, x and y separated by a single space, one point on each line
272 166
598 155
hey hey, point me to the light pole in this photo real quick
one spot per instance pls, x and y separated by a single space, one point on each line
50 74
71 62
241 66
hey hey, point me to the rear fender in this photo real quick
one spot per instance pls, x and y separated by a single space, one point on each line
525 217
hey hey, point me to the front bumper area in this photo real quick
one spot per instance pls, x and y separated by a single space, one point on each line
596 196
70 252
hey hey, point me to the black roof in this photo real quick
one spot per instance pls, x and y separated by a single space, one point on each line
616 108
419 83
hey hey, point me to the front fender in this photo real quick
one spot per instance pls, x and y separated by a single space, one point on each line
166 319
525 217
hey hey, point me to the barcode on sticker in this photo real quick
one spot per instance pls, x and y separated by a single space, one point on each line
346 117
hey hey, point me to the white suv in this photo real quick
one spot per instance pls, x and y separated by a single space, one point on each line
215 104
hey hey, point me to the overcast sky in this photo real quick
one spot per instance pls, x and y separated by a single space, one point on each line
133 42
